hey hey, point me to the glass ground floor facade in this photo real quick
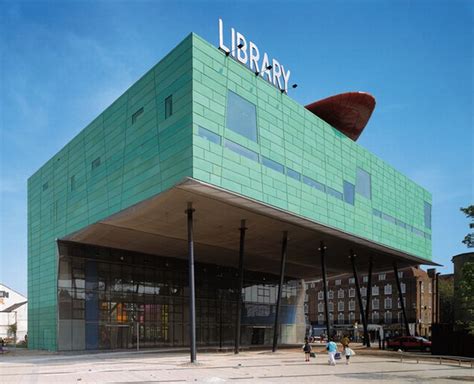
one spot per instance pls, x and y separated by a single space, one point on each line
106 297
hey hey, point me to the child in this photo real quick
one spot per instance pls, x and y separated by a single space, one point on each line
331 347
307 349
348 353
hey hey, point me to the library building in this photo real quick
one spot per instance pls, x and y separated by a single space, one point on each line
190 212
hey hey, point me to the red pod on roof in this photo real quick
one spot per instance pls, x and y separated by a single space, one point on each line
347 112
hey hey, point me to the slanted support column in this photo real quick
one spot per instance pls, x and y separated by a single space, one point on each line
240 287
359 297
192 300
400 297
438 317
369 292
284 245
322 250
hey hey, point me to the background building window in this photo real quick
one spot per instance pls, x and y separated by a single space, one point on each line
340 318
375 317
293 174
351 292
320 295
73 182
349 192
388 289
241 116
330 294
242 151
403 287
273 164
388 317
320 307
330 306
168 106
351 317
320 319
388 303
340 306
375 303
365 279
340 294
363 183
363 291
351 280
351 305
337 282
382 276
375 290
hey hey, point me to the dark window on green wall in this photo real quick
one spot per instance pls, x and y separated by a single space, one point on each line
349 192
209 135
293 174
168 106
241 150
376 212
95 163
73 182
273 164
363 183
333 192
313 183
137 115
427 209
241 116
45 186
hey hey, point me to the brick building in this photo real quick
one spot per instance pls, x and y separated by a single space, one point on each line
418 289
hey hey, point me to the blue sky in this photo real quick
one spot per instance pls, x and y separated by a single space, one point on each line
62 63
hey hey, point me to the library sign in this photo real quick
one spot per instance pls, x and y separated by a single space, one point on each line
247 53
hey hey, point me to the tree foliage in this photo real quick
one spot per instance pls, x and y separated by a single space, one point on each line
446 300
465 292
469 238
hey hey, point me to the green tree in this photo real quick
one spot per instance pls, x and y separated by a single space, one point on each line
466 297
446 300
469 238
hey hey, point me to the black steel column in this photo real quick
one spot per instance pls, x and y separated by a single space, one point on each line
240 287
359 297
284 245
369 292
400 297
322 251
192 301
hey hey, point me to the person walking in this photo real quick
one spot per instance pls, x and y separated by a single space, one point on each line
331 347
345 342
307 349
348 353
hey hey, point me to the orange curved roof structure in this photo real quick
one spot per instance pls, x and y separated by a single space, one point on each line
347 112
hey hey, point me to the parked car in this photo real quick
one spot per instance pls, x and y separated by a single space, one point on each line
409 343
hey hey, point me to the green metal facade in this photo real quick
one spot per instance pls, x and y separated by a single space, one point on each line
133 151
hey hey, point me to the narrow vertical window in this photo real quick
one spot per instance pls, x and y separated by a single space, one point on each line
363 183
73 182
349 190
45 186
427 209
168 106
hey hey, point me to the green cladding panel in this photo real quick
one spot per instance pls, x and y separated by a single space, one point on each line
174 122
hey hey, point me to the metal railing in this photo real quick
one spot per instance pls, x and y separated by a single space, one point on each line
440 358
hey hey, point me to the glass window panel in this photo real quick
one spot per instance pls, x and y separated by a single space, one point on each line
363 183
427 211
376 212
168 106
273 164
208 135
388 218
334 193
241 150
349 192
293 174
241 116
314 184
137 115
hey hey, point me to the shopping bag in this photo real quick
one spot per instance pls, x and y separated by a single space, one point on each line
337 356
